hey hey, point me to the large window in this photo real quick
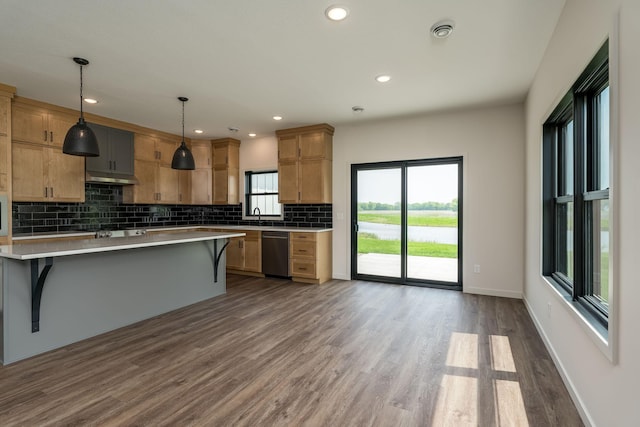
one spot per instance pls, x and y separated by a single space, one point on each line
261 194
576 192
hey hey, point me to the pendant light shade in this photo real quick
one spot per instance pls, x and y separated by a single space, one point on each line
80 139
182 158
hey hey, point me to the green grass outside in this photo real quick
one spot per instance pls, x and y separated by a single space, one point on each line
368 244
421 219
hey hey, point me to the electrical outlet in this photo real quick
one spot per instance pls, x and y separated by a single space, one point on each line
548 309
476 268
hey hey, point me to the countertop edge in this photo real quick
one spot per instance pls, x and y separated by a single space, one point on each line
20 238
23 252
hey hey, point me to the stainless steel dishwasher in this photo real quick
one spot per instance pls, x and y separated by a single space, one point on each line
275 253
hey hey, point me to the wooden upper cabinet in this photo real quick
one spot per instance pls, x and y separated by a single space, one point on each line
184 186
144 148
201 150
202 176
157 182
166 148
46 174
304 164
288 147
39 125
225 171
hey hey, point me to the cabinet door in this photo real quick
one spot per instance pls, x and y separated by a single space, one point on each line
220 185
166 149
29 124
252 255
120 151
65 176
288 182
235 253
314 181
167 184
313 146
145 190
28 167
145 148
58 126
220 155
201 151
201 186
184 187
4 162
288 147
100 163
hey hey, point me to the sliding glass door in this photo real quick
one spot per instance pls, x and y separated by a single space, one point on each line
406 222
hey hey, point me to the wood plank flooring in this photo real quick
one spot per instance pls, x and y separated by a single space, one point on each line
275 353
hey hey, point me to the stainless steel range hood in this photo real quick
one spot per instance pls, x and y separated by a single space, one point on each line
110 178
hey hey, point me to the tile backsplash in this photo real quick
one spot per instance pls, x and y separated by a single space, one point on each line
104 210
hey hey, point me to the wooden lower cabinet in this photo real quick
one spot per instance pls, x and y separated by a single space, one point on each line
244 254
310 257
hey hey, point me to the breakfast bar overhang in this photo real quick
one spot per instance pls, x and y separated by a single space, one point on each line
67 291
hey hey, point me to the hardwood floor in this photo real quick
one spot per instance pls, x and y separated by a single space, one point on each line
272 352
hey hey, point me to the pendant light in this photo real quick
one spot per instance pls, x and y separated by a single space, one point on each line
182 158
80 139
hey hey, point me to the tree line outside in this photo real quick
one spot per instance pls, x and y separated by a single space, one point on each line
419 206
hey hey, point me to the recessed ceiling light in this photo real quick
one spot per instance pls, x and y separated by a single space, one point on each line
336 12
233 129
198 131
357 109
442 29
252 135
277 117
383 78
90 100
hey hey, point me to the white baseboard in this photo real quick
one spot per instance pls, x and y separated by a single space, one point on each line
582 410
492 292
341 277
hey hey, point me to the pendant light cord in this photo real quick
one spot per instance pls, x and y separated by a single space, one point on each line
81 113
183 122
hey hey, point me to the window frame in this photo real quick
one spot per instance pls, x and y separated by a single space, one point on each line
248 211
580 104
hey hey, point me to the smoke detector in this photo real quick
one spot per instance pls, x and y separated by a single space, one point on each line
442 29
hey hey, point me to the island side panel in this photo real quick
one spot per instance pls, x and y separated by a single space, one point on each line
86 295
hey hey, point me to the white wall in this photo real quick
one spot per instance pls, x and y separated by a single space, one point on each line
491 141
606 392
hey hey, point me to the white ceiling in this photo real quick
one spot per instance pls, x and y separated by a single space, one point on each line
243 61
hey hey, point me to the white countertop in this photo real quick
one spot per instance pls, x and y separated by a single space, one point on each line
26 251
25 238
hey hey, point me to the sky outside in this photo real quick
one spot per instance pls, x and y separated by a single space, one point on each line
436 183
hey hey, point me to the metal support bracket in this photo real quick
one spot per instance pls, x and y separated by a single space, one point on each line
37 283
218 255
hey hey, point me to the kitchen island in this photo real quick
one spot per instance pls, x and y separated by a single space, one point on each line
60 292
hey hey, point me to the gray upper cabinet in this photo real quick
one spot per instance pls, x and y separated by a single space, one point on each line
116 151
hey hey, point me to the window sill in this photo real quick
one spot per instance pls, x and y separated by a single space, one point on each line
600 335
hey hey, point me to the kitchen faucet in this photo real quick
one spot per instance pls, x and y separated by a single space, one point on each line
254 212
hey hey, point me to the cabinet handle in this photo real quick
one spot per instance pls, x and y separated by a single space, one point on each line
302 250
114 165
302 268
46 190
179 197
51 134
45 136
51 191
